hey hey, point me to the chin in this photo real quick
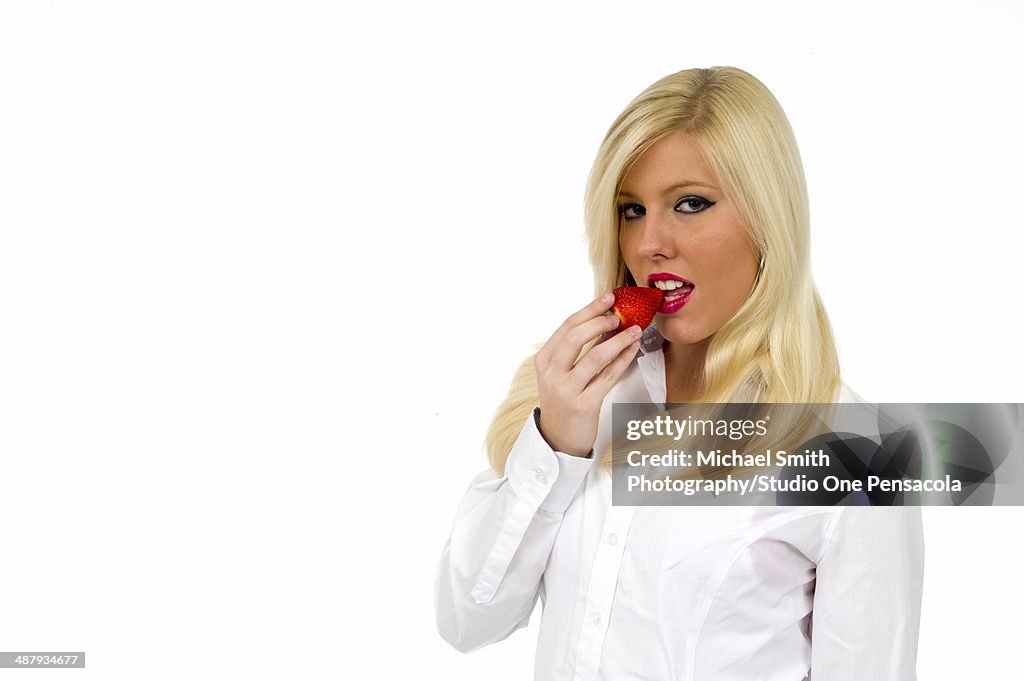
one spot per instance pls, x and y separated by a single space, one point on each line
679 332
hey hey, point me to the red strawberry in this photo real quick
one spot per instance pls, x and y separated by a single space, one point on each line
636 305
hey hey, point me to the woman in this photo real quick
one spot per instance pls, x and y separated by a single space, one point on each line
698 189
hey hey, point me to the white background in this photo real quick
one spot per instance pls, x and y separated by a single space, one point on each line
266 269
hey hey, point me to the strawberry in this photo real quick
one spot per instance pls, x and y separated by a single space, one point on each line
635 305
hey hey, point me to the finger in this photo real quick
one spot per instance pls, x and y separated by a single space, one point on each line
607 334
600 356
567 353
612 372
592 309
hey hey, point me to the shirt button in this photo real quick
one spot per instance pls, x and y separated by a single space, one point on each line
540 477
595 617
613 539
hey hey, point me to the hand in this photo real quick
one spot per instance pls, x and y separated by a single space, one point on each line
571 390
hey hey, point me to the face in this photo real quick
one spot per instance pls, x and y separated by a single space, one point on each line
677 231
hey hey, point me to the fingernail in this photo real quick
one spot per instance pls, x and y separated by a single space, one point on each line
635 331
608 297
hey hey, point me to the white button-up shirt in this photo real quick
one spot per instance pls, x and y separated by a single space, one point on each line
664 592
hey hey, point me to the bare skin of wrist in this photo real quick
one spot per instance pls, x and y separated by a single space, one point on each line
565 449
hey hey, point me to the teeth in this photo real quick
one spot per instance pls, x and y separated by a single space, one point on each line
668 284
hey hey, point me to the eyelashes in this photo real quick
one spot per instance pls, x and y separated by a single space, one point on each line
688 205
702 203
631 211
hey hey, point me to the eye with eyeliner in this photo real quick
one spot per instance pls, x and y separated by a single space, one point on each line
627 208
704 204
632 211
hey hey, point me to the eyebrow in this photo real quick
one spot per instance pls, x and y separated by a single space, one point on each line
678 185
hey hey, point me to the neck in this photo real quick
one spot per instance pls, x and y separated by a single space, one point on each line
684 371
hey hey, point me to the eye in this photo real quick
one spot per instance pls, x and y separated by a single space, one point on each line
693 204
632 211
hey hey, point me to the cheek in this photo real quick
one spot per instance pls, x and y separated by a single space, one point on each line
729 245
626 249
624 245
713 258
730 267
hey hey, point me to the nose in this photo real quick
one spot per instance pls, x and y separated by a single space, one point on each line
654 240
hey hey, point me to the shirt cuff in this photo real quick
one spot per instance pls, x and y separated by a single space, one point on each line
539 475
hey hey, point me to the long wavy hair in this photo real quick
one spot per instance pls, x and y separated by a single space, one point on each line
778 346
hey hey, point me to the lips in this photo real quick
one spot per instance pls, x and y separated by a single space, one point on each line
678 291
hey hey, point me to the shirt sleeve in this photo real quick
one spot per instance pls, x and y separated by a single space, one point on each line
867 598
489 576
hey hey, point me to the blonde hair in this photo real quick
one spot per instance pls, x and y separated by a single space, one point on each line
778 346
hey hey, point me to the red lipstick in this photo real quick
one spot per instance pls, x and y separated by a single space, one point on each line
678 290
